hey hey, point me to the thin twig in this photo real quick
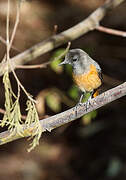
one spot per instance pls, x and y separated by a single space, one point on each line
16 23
111 31
2 40
90 23
46 63
12 47
22 87
2 111
60 119
64 52
9 46
7 32
55 29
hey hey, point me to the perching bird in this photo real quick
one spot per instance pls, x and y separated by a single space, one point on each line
86 72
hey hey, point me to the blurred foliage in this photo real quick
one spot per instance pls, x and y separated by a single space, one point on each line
114 167
53 101
68 69
73 92
55 61
86 119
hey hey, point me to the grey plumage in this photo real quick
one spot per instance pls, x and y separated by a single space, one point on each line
80 61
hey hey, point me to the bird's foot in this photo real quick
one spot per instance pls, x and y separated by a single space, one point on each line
87 104
77 106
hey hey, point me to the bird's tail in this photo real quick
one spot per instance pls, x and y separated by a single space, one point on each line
95 94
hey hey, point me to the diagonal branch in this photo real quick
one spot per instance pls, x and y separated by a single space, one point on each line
90 23
60 119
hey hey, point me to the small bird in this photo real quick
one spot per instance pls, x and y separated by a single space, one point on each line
86 73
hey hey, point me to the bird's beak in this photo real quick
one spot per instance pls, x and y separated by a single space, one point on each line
64 62
61 63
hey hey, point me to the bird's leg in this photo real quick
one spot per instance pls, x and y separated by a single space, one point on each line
87 103
80 102
91 94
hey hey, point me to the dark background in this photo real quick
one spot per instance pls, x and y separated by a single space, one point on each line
84 149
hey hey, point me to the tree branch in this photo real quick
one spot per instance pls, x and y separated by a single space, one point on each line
43 65
74 32
60 119
111 31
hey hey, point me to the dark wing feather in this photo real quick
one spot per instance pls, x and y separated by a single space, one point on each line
100 74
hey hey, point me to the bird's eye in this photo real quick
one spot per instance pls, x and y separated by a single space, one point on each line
75 59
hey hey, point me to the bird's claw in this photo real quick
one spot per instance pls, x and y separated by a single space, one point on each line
87 104
77 105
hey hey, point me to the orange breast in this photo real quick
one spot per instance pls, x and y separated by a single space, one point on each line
89 81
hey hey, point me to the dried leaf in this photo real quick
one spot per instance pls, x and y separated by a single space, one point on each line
32 117
12 117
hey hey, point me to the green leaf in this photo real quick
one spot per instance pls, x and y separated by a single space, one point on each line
56 59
